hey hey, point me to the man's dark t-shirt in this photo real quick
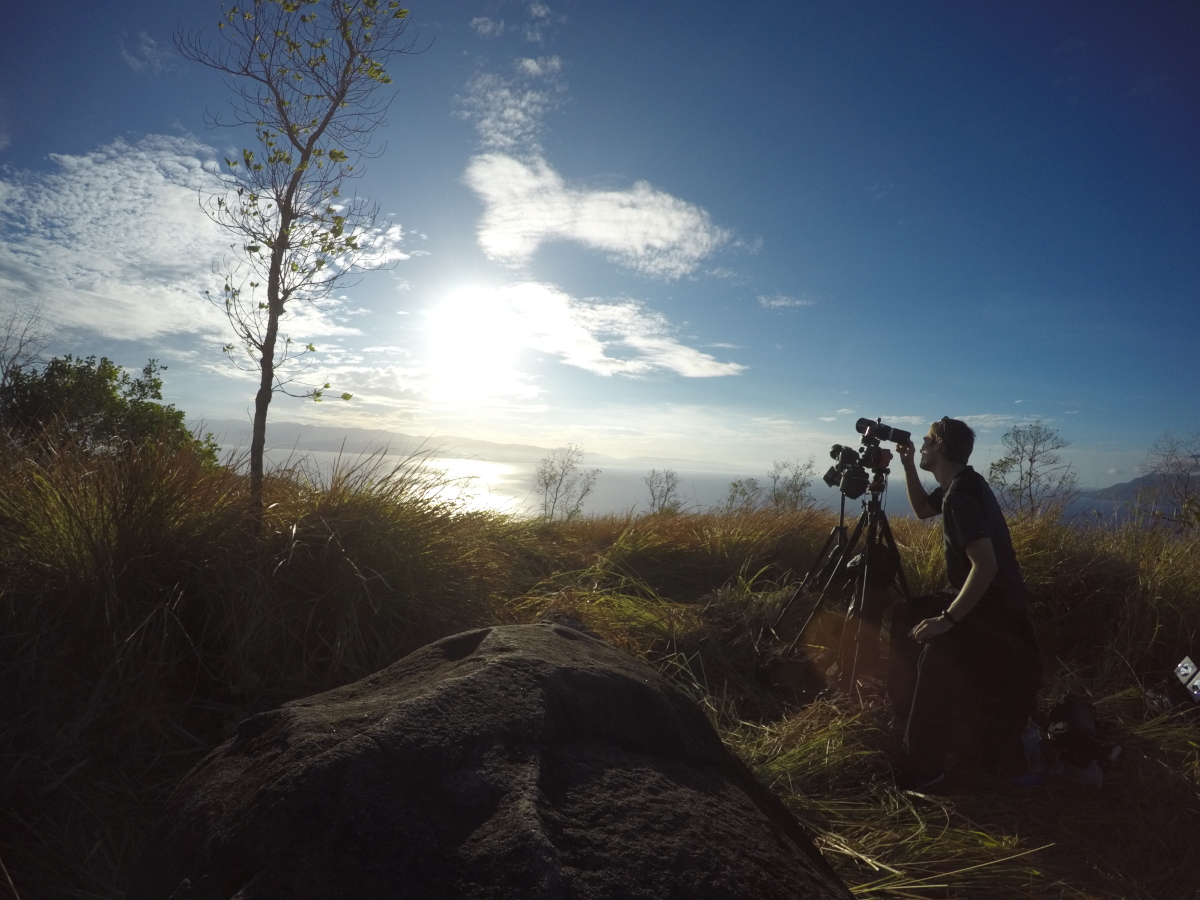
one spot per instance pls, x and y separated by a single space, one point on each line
970 511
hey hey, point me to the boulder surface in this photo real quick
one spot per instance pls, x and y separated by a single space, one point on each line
526 761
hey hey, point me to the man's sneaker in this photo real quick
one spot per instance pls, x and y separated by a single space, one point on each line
919 781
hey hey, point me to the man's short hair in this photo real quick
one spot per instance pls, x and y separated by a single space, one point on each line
957 438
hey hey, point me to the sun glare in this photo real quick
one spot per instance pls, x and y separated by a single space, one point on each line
475 338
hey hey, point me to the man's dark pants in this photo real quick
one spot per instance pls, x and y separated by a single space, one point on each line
970 690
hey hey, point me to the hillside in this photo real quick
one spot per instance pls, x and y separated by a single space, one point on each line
142 615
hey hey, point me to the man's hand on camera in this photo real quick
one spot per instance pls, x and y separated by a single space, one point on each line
931 628
905 450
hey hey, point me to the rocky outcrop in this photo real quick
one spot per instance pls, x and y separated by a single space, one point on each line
511 762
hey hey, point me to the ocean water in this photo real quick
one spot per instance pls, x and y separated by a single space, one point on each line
509 486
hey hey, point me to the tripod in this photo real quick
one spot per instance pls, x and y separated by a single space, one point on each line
873 572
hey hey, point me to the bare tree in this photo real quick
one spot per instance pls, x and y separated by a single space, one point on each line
664 487
787 491
745 496
1175 460
23 337
791 481
307 75
562 485
1031 478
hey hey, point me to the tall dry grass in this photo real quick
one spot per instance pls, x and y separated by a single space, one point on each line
141 617
1117 603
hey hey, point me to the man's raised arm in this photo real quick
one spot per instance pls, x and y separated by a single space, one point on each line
917 495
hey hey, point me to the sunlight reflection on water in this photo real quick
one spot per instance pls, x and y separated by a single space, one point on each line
474 483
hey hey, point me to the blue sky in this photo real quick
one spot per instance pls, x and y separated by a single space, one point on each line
695 231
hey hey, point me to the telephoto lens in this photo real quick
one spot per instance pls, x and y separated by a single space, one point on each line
877 430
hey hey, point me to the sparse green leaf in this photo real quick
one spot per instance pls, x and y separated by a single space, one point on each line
305 71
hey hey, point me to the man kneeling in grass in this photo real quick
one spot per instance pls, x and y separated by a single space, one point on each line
965 658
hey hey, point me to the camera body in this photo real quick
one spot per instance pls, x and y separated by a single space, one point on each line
849 471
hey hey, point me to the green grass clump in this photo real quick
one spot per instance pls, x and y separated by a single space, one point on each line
144 611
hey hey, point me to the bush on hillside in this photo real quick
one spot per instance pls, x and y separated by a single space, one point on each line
95 405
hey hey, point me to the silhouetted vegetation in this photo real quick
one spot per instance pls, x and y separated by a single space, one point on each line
93 405
142 614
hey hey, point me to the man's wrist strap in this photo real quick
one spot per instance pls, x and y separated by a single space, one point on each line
953 621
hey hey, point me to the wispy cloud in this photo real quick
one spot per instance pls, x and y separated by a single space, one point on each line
508 113
989 421
980 422
487 28
542 67
540 17
144 55
476 337
115 241
527 204
783 301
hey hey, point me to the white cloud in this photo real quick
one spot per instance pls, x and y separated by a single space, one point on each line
539 17
485 27
782 301
989 421
845 412
115 241
509 116
146 57
476 337
528 204
541 67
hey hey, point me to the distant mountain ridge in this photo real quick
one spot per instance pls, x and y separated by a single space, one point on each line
354 441
1128 491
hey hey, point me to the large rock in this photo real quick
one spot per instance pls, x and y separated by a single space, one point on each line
524 761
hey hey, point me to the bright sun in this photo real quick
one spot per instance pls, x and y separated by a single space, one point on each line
475 338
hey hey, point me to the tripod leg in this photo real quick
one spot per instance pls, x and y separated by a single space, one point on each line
861 655
838 534
849 643
843 557
890 541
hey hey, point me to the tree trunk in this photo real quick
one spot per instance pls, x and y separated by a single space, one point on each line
258 438
276 298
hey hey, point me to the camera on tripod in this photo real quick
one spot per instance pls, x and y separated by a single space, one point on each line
863 569
849 471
